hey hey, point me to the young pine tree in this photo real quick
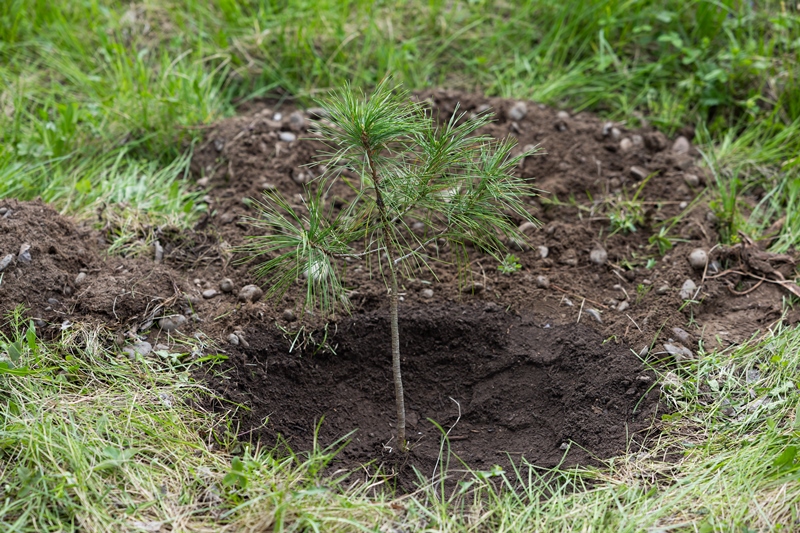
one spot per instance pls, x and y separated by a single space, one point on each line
460 184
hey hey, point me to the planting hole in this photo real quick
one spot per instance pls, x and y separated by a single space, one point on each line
523 388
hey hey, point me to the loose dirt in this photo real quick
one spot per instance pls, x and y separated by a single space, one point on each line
550 370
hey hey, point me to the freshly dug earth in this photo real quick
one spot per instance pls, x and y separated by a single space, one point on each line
525 364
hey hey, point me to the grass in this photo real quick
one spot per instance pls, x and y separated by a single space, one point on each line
100 104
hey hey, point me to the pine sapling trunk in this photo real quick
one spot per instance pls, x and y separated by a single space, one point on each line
394 300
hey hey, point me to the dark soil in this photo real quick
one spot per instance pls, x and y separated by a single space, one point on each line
531 368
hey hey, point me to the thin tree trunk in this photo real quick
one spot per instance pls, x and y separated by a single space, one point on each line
394 299
398 379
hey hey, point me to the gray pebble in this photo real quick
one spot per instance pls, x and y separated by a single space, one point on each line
317 112
80 278
681 145
598 256
663 289
53 302
625 144
682 335
300 177
172 322
130 352
288 315
226 285
623 306
595 314
277 117
68 291
698 258
427 293
688 289
692 180
161 348
544 251
473 288
5 261
242 339
678 351
143 348
542 282
3 211
158 252
607 127
638 173
287 136
517 111
250 293
615 134
24 253
233 339
209 293
297 122
563 115
637 140
569 258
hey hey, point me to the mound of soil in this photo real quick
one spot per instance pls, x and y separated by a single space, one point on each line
536 360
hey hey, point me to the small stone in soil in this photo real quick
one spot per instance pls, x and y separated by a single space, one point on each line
226 285
250 293
623 306
625 144
638 173
681 145
297 122
6 261
209 293
543 251
569 258
607 127
692 180
427 293
158 252
171 323
637 140
317 112
287 136
80 278
24 253
233 339
288 315
142 348
682 335
517 111
542 282
714 267
563 115
473 288
598 256
688 289
663 289
698 258
678 351
615 134
595 314
526 226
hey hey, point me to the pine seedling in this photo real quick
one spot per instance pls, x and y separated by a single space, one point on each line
408 169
